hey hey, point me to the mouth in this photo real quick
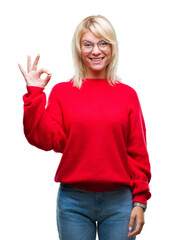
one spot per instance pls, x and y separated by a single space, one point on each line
96 60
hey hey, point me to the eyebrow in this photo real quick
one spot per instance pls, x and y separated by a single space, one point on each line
91 42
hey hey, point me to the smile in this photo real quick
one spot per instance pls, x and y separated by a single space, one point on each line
97 60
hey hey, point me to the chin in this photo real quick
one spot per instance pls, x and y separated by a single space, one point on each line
97 69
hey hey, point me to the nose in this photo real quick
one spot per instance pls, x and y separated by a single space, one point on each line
96 49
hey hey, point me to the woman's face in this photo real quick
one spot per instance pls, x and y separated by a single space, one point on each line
96 59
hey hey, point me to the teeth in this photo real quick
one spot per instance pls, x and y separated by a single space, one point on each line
98 59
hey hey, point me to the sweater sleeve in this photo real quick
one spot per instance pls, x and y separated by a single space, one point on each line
140 172
43 126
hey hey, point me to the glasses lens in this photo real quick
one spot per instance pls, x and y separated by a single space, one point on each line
88 46
103 45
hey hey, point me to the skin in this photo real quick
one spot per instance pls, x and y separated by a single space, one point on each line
95 70
137 214
33 78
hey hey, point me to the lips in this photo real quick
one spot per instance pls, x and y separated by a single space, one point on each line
96 60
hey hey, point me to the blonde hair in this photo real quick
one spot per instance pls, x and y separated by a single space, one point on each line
101 28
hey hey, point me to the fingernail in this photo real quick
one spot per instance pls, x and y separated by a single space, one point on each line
130 228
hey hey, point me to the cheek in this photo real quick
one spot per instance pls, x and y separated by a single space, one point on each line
84 58
109 58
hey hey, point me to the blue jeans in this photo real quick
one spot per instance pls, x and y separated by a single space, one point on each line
80 213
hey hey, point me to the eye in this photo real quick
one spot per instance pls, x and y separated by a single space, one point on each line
87 44
103 43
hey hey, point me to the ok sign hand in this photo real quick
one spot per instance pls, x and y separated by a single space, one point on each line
32 77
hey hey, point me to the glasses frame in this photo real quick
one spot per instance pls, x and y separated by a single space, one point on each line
92 45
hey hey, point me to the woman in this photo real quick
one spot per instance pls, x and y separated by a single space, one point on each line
97 123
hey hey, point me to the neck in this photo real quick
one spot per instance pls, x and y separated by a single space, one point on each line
96 75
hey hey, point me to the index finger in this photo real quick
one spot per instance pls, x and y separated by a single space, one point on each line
22 70
35 64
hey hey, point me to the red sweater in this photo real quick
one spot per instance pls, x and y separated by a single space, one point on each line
100 130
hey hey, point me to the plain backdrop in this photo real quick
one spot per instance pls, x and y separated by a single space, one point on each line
27 188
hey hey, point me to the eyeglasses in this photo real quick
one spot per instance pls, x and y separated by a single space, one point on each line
87 46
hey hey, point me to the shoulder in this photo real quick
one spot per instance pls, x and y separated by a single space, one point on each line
126 88
60 87
129 94
60 91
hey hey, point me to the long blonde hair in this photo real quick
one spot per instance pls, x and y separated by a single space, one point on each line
101 27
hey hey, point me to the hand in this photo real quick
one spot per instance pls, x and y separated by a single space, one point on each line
138 215
32 77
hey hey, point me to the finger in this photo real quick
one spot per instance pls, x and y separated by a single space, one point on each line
43 70
22 70
35 64
131 223
137 230
47 79
28 63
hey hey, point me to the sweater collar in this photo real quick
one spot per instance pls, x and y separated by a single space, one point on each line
97 80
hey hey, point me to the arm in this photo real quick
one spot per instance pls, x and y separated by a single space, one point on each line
139 164
43 127
137 152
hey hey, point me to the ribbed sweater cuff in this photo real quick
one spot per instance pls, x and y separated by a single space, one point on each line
34 90
142 198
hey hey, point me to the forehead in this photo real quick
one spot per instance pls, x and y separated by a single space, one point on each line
89 36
